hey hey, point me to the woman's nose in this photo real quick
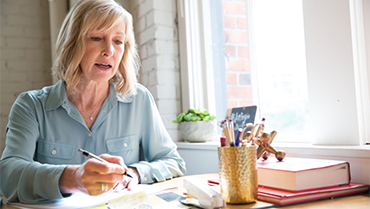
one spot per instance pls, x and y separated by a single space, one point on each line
108 50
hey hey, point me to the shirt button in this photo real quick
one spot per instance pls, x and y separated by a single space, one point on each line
145 178
89 134
125 144
54 152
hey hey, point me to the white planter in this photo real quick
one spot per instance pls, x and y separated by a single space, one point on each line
197 131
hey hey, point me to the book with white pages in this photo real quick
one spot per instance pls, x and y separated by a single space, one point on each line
300 174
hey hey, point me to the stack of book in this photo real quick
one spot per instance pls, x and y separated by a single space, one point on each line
296 180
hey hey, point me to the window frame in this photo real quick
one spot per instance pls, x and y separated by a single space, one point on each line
196 57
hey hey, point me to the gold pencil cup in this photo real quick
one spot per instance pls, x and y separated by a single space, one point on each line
238 174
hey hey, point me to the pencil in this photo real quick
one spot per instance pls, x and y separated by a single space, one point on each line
91 155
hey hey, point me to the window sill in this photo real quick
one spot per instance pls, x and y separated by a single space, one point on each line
300 149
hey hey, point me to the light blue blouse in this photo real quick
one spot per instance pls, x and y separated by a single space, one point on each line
45 131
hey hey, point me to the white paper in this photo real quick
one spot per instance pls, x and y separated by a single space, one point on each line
79 200
74 202
137 200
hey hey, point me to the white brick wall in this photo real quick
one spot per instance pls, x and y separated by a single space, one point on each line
157 37
25 52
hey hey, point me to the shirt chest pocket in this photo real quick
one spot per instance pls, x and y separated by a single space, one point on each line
54 153
126 147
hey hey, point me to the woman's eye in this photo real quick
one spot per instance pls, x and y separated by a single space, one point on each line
95 38
118 42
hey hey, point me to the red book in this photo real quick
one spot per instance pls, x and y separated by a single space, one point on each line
301 174
282 197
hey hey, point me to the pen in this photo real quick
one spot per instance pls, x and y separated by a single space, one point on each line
237 139
91 155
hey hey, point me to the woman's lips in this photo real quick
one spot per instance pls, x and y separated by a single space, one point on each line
103 66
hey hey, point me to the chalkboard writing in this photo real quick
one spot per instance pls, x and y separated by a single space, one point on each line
242 116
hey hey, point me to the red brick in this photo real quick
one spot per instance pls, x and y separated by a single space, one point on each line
245 103
241 23
230 50
232 104
231 78
243 51
234 8
229 22
235 36
239 92
238 65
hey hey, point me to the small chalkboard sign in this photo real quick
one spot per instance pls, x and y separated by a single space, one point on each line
242 116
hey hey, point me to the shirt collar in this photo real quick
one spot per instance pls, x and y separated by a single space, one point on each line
114 96
58 96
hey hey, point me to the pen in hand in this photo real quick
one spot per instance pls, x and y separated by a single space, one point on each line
91 155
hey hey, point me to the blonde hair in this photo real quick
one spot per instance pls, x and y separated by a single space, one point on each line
87 15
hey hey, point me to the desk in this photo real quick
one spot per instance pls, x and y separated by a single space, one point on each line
354 201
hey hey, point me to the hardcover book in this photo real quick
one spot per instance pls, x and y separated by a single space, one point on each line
282 197
300 174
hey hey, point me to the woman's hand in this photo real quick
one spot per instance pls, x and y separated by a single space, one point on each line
127 182
91 176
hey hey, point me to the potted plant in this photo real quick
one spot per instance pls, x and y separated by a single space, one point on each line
196 125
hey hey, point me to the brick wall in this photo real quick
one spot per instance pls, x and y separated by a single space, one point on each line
236 48
25 52
156 35
157 38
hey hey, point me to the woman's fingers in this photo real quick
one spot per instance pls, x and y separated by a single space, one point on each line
114 159
104 168
94 177
99 177
98 188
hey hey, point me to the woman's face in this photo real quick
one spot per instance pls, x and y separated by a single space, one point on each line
103 53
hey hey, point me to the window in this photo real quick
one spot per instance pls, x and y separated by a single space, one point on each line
280 67
336 96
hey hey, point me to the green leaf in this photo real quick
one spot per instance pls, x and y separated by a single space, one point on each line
180 117
194 118
187 118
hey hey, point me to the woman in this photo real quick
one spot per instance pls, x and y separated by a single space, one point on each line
97 105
